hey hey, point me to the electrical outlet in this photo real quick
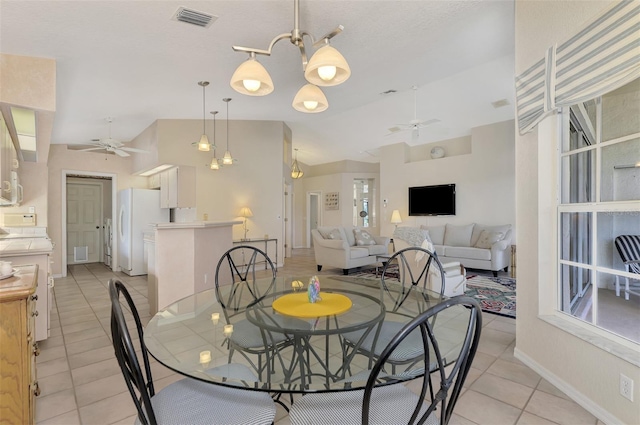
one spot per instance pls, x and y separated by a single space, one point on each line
626 387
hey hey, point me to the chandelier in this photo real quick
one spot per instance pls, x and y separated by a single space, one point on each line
327 67
296 172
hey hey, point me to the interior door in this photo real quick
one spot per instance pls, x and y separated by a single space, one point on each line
84 221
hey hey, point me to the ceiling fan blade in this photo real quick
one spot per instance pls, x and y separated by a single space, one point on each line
135 150
120 152
88 149
428 122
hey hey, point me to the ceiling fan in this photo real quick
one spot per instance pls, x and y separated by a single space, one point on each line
415 124
110 145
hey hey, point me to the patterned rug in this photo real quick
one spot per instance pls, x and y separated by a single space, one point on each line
496 295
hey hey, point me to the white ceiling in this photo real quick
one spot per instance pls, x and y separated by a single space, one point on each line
131 61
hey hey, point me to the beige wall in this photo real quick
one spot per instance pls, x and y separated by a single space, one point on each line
255 180
587 373
484 176
60 160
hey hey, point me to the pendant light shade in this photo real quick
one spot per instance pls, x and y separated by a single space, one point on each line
251 78
310 99
327 67
215 162
296 172
227 159
203 144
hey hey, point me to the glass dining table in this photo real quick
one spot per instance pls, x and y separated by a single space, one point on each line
191 336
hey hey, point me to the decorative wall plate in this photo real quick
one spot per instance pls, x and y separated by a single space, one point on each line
437 152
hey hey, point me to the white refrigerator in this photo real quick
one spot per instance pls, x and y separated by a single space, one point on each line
138 209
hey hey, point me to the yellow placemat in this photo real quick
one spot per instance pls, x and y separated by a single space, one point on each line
298 305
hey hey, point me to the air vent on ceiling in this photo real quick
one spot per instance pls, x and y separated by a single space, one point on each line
194 17
500 103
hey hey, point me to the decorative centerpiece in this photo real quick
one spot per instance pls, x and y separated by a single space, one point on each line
314 290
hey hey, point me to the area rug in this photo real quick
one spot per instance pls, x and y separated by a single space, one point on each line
496 295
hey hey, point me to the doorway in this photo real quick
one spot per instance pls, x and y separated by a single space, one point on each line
314 216
84 221
87 213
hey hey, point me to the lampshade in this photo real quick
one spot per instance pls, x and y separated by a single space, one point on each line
214 164
203 144
246 212
296 172
310 99
227 159
252 78
395 217
327 67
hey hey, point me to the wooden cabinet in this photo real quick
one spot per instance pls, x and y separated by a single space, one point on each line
178 187
18 348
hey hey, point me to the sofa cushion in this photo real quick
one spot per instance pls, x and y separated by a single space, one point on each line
439 249
348 233
458 235
436 234
357 252
488 238
363 238
377 249
467 252
478 228
330 233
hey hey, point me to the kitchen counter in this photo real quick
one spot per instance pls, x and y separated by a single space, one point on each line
195 224
10 246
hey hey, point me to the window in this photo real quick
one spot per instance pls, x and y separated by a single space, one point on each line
599 201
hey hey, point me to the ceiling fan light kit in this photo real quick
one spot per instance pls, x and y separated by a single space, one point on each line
327 67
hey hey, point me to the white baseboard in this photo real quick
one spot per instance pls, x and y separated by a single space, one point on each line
584 401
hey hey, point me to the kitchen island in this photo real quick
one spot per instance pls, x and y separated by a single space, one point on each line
182 259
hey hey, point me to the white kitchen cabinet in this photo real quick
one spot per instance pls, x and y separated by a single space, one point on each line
178 187
7 161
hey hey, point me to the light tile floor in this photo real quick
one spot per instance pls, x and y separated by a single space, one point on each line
81 382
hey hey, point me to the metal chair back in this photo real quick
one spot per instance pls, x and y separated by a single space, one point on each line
451 376
139 381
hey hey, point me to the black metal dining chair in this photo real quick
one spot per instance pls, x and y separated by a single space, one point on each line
384 400
241 268
187 401
407 273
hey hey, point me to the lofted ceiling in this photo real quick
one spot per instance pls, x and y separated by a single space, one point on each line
131 61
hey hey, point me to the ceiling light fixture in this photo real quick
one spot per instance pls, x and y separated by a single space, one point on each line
296 172
203 144
215 162
227 159
327 67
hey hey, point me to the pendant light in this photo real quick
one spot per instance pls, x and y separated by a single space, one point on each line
203 144
227 159
310 99
296 172
215 163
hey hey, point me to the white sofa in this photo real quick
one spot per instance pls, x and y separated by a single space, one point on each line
471 247
336 247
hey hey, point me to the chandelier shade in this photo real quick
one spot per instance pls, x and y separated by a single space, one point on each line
310 99
327 67
227 159
214 165
251 78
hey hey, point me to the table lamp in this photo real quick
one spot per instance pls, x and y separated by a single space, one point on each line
245 212
395 217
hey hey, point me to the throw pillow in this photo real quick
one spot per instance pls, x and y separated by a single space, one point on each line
331 234
363 238
487 239
458 235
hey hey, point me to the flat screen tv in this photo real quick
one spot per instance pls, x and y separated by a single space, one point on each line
432 200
